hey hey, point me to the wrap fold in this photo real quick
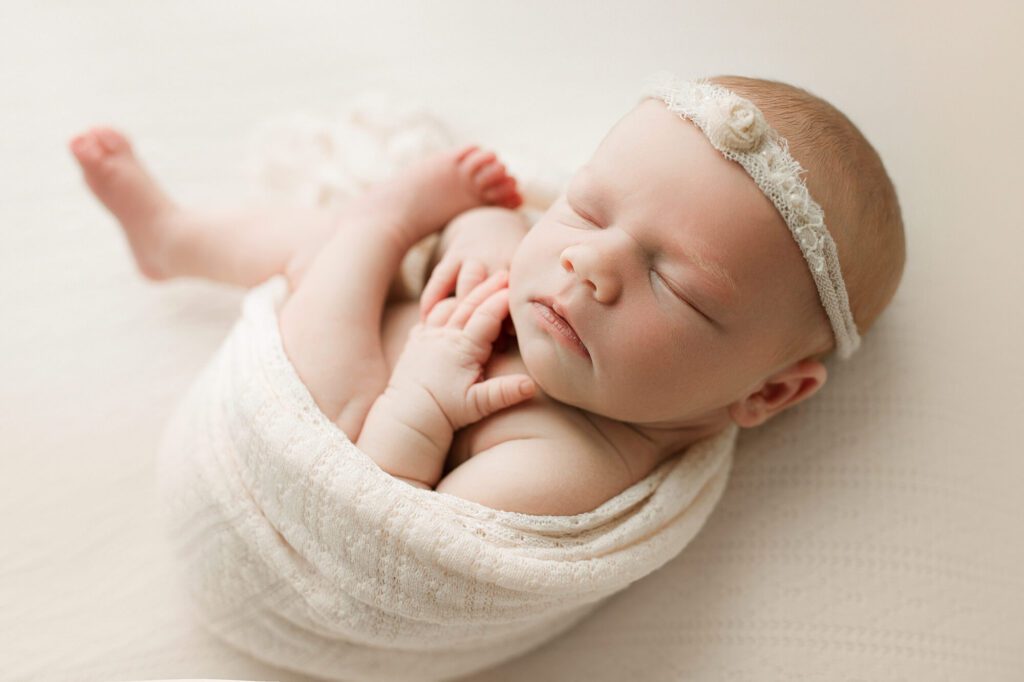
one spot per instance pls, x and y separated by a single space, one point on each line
298 549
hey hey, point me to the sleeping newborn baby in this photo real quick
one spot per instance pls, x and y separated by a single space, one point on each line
683 283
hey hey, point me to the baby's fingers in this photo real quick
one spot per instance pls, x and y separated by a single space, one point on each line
473 273
476 298
498 393
442 280
469 273
439 314
484 326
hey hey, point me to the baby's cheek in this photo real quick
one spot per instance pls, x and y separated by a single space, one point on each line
515 274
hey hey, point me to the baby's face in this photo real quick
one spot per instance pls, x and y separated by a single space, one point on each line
676 272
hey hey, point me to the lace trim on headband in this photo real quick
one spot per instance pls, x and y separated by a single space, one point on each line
738 129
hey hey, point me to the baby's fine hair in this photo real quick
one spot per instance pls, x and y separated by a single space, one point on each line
846 177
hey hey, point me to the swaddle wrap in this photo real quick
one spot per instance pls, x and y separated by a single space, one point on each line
297 548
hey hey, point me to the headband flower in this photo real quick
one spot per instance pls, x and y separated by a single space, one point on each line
735 123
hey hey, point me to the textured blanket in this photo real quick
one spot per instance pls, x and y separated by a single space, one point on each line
297 548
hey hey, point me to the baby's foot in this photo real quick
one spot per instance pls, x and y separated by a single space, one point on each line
432 191
118 180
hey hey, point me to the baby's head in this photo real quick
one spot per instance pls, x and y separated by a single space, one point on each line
684 282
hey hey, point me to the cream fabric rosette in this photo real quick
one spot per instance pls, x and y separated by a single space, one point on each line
735 123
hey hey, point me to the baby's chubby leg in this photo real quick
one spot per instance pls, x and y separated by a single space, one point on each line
331 324
242 246
331 327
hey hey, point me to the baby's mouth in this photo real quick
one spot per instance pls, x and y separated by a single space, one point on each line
560 325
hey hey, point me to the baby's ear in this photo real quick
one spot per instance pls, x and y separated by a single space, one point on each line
779 392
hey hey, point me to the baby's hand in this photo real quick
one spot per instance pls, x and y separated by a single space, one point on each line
491 248
445 355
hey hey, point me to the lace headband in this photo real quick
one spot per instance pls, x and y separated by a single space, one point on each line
738 129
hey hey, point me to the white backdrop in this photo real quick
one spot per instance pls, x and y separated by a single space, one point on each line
93 358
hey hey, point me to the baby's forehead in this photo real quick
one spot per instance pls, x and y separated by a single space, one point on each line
659 176
669 180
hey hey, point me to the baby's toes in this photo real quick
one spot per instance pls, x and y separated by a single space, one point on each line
490 174
94 146
473 163
463 152
113 141
87 149
503 193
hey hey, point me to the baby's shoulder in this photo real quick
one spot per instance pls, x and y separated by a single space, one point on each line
541 418
543 475
538 457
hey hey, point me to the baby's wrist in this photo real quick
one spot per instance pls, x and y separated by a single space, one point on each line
416 407
407 434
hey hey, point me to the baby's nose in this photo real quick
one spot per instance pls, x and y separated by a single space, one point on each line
569 266
594 272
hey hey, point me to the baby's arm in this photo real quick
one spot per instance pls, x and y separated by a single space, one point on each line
564 476
436 389
489 235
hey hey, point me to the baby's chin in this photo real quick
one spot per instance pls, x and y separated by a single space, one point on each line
551 372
